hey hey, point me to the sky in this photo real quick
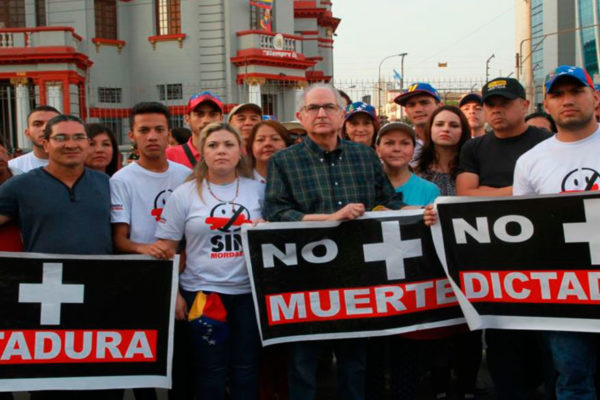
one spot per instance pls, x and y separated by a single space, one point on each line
463 33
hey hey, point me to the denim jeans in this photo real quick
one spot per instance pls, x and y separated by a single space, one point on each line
235 361
574 355
351 359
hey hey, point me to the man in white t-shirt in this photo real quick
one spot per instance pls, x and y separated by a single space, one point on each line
36 123
140 190
567 162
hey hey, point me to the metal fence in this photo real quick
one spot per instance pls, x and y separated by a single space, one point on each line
111 105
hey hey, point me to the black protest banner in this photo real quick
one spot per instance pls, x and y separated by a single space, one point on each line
378 275
524 262
85 322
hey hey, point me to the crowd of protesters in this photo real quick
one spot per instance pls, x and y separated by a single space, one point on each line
191 189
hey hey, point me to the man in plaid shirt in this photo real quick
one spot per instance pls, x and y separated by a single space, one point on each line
325 178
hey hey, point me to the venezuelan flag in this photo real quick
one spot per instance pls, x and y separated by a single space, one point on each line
208 318
266 4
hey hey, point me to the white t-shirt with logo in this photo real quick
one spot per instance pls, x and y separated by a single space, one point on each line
138 197
558 167
212 228
258 177
27 162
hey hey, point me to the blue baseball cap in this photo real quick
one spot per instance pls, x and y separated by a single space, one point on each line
415 89
577 73
360 107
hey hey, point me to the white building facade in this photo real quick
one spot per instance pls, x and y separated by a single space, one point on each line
97 58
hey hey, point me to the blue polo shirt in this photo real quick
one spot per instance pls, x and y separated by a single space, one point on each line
56 219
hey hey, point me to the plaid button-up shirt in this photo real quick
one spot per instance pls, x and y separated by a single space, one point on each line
305 179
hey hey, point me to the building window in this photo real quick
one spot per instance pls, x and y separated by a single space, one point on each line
105 17
268 104
40 12
261 17
12 14
109 95
177 121
171 91
587 8
168 17
116 126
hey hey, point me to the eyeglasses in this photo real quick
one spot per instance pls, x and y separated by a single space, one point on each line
313 109
61 137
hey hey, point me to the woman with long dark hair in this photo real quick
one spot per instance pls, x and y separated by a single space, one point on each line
104 155
447 131
452 348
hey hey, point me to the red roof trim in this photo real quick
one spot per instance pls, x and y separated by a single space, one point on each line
317 76
166 38
68 75
262 57
308 12
109 42
305 4
99 112
44 55
328 21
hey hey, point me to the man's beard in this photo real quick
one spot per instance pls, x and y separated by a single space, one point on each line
574 125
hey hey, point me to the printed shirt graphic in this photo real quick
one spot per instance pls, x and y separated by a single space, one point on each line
212 228
559 167
138 197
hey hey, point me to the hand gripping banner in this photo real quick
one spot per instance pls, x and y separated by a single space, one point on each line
523 262
85 322
377 275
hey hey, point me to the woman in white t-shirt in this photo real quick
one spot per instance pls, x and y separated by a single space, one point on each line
266 138
209 210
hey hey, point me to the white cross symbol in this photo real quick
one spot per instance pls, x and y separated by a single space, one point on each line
51 293
393 250
578 232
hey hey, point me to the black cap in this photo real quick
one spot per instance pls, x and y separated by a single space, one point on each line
509 88
470 98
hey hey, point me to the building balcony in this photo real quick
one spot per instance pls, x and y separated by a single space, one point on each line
48 44
40 36
256 47
257 39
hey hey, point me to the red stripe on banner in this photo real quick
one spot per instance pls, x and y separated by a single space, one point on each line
553 287
77 346
364 302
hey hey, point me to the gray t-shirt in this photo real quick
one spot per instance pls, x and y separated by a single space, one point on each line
58 220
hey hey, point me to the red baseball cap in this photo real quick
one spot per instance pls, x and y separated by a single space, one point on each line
202 97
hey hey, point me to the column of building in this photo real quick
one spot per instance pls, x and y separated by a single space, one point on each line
22 101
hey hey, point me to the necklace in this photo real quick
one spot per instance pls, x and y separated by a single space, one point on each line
237 190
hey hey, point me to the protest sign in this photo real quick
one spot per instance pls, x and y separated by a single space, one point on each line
85 322
377 275
524 262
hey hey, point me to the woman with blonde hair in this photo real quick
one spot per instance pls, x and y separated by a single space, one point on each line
209 210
